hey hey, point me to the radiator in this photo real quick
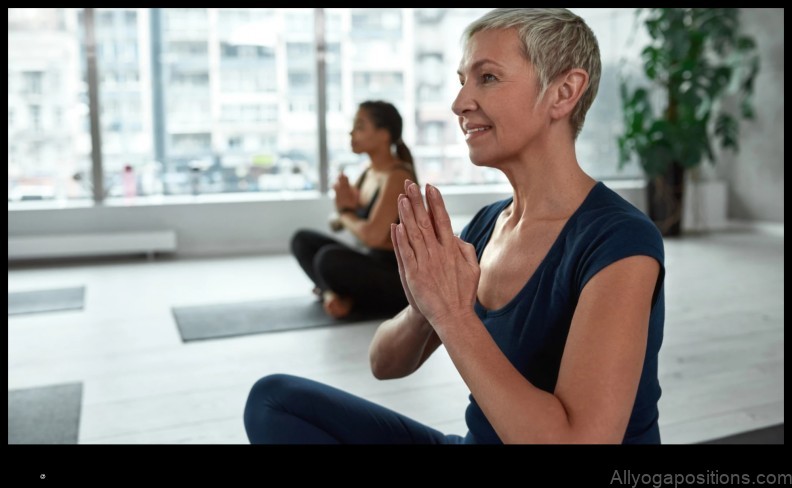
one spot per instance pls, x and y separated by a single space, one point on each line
104 244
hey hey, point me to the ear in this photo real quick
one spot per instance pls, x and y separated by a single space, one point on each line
567 90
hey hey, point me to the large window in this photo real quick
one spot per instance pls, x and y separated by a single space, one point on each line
410 56
619 49
48 136
205 100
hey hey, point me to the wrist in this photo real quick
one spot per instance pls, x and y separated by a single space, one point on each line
457 320
343 210
415 317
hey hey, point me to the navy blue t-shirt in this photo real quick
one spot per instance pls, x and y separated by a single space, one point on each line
532 328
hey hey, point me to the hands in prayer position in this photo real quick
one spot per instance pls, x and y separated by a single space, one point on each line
439 271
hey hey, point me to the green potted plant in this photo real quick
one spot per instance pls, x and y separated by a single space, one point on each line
704 68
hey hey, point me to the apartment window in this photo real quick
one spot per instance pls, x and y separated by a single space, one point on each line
35 117
130 18
234 143
33 82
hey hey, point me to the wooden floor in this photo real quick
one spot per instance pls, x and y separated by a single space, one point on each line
722 363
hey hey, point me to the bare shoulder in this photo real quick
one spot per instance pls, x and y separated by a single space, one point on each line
397 176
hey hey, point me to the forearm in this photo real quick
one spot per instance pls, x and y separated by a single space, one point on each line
354 224
518 411
398 346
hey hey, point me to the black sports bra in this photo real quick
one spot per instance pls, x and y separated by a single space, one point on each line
364 212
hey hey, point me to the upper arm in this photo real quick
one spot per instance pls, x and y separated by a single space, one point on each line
385 210
605 349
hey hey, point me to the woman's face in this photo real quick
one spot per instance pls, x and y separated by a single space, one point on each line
365 136
497 103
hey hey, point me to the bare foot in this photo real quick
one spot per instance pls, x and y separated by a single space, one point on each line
336 306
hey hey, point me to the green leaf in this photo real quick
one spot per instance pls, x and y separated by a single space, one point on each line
656 159
726 129
745 43
699 59
746 108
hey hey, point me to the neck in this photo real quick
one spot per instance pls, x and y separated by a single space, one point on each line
382 159
548 184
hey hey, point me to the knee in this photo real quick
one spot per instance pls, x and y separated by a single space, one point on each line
299 242
328 262
282 392
269 391
268 395
274 395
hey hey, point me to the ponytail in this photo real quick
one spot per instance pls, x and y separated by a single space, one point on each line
404 152
404 155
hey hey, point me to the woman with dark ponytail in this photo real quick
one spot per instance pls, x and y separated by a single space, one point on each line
364 280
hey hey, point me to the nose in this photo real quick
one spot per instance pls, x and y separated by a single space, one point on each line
463 102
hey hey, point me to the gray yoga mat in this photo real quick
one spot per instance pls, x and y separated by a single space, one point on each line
46 300
45 415
235 319
768 435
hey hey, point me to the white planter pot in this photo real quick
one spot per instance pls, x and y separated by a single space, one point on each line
704 205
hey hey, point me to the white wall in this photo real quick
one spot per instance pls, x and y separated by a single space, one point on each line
206 227
756 174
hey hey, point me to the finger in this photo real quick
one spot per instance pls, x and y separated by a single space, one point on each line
441 220
468 251
394 240
431 219
422 218
414 235
408 259
399 260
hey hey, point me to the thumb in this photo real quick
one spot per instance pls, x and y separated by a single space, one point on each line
468 251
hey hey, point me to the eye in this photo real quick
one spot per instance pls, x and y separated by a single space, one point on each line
462 82
488 78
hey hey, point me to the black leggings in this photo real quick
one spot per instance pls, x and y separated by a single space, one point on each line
284 409
371 280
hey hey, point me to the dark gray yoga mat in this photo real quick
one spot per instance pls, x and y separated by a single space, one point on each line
45 415
768 435
235 319
46 300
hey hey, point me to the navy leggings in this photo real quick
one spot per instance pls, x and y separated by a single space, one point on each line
370 279
285 409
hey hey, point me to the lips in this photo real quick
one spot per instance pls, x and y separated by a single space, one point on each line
471 128
474 130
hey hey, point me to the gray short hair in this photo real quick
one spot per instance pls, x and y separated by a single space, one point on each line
555 41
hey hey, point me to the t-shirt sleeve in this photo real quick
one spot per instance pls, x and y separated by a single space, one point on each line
618 239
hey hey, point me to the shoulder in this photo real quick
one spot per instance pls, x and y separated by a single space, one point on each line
394 179
399 174
608 229
607 219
